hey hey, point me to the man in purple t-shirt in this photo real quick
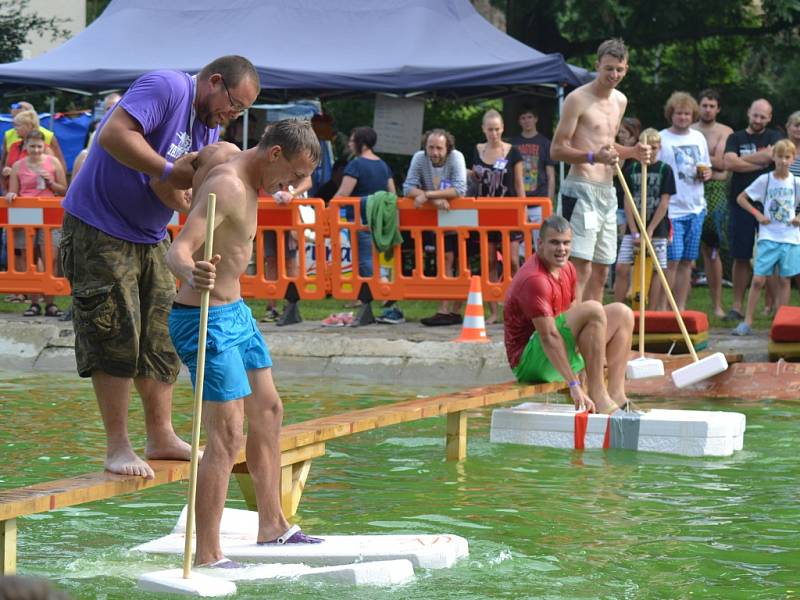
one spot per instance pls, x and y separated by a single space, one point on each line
115 240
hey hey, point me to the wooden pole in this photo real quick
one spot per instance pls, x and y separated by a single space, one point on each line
197 407
659 270
642 261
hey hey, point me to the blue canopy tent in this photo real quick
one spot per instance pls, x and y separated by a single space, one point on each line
303 47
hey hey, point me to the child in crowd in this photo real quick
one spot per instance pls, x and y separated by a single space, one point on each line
660 186
778 229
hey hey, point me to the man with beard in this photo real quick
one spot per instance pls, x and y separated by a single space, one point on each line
435 176
748 154
716 192
548 333
115 240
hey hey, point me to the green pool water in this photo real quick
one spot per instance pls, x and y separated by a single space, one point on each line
541 523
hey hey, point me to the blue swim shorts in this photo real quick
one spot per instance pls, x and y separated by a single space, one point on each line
234 345
770 253
686 234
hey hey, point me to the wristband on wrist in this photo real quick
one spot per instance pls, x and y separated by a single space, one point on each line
636 235
167 171
590 157
754 211
574 383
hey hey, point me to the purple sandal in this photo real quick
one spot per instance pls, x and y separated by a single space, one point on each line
292 536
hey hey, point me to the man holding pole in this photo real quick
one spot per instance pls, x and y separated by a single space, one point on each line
238 376
585 138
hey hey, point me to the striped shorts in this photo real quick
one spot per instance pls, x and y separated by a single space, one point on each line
625 256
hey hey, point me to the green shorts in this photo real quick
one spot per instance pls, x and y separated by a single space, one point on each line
535 367
121 297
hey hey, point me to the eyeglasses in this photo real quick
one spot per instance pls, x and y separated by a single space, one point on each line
237 107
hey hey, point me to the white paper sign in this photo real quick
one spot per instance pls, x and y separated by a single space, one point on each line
398 123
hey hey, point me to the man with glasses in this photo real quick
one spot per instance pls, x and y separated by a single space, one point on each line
115 240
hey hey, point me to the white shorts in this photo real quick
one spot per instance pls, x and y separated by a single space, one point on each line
591 209
626 255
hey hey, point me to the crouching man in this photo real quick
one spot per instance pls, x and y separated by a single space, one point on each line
238 375
551 337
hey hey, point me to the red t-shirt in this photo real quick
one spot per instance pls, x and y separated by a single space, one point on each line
534 292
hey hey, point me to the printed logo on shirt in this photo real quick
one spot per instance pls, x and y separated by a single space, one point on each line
184 143
530 165
780 201
686 160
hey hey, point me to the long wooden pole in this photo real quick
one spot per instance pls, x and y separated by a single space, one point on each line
197 407
642 261
646 238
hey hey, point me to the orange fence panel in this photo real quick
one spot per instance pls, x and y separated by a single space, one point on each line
476 226
32 228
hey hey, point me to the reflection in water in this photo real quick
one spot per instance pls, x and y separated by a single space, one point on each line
541 522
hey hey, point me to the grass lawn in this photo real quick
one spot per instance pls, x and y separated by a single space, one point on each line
414 310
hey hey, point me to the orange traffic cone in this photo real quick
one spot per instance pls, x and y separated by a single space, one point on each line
474 329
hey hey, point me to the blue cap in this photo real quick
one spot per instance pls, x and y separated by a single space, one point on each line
16 105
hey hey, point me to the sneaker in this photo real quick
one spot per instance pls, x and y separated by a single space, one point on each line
271 316
391 316
441 319
338 320
742 329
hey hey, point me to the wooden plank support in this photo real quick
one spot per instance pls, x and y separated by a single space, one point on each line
295 465
456 443
8 547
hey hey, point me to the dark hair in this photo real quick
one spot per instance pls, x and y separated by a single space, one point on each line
711 94
34 134
614 47
633 125
528 109
233 68
554 222
364 137
449 140
294 136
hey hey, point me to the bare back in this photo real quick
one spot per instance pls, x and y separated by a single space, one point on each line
589 122
236 222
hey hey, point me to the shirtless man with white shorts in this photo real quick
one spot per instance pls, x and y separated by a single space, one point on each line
585 138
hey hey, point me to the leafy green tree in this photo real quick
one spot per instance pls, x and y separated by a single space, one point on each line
17 21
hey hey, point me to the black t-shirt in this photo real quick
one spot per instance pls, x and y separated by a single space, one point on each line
498 179
660 181
535 152
743 143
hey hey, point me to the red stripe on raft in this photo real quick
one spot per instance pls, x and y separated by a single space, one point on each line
419 218
275 216
53 502
501 217
52 216
4 216
607 437
581 424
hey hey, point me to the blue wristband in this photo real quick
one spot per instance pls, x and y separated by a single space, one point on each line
167 171
574 383
590 157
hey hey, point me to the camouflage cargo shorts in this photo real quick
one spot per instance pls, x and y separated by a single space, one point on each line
122 294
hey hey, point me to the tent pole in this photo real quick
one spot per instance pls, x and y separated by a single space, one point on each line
560 93
52 112
245 127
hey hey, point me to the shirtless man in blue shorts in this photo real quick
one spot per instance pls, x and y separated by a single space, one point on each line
584 138
238 376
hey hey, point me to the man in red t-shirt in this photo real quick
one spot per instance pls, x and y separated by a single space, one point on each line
547 333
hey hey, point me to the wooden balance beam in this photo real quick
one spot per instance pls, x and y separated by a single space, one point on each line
300 443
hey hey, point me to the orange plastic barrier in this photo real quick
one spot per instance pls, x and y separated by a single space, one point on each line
309 245
471 219
38 275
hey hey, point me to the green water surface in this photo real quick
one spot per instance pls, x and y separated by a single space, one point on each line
541 523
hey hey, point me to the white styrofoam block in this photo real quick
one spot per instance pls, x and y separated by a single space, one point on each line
385 572
700 370
643 367
686 432
238 539
171 581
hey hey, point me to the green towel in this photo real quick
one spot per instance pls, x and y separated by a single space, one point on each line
383 220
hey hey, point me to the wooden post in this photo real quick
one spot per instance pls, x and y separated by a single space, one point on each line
8 547
456 444
293 481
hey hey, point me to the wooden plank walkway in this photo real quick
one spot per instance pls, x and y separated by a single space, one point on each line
300 443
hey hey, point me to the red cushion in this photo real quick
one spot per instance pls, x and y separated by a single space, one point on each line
658 321
786 325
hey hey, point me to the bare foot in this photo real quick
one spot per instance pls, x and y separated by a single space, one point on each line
171 449
603 403
621 400
719 313
125 462
491 320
